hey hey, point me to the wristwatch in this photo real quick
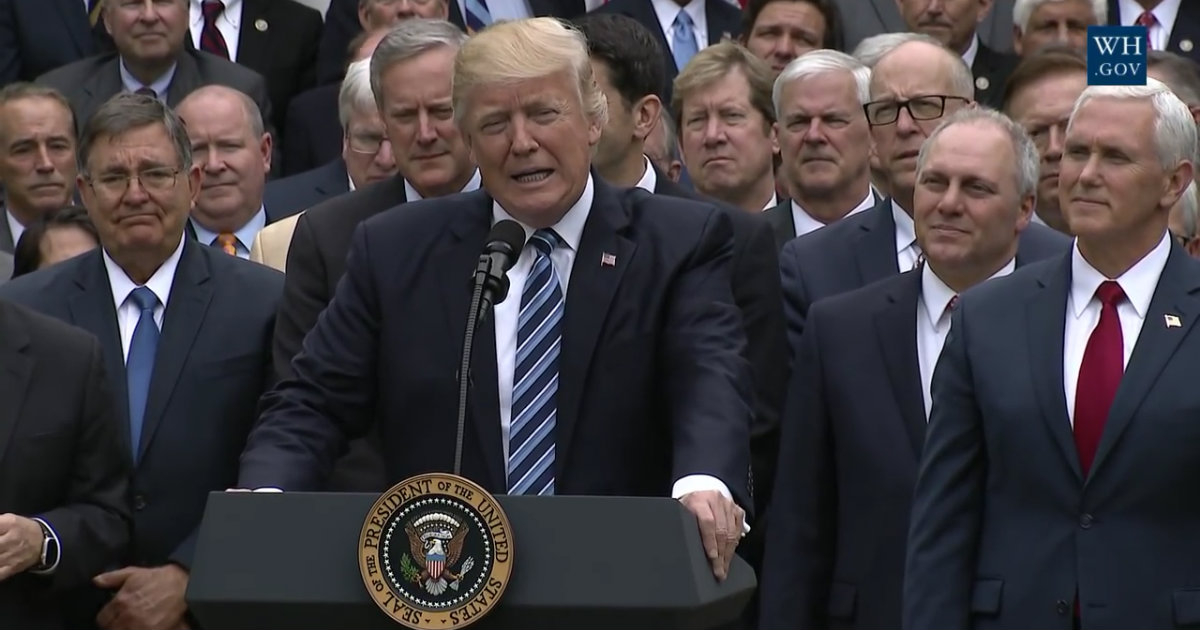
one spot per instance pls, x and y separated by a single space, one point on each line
49 557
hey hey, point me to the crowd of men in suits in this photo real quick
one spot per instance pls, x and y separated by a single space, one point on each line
900 315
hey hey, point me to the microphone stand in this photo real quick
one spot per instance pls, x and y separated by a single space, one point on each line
476 316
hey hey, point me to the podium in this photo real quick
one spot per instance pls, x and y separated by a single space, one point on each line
289 561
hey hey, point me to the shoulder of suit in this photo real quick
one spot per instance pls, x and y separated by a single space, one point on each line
862 300
37 288
214 69
356 206
234 270
67 77
48 331
831 238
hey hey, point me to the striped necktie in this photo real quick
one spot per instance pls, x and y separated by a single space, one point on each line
211 39
227 242
535 378
476 15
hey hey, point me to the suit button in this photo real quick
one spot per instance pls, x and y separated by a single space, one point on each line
1062 607
139 502
1085 521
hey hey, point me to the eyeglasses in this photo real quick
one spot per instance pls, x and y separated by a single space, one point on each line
367 144
115 185
920 108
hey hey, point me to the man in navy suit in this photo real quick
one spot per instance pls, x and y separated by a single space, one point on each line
186 334
1063 434
855 419
912 87
633 385
37 37
1174 25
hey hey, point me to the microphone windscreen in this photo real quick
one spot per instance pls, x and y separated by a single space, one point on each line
507 237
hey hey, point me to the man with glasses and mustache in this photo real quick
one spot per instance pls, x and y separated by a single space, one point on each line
913 87
184 330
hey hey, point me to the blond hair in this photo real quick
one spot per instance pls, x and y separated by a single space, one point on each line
713 64
521 50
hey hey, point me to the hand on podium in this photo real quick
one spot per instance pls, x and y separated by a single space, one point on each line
721 526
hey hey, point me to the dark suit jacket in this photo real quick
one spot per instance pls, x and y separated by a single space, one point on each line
300 192
90 82
60 459
651 384
781 221
724 21
213 363
285 54
37 37
991 70
1005 528
7 243
863 18
855 252
6 266
1185 29
314 132
853 431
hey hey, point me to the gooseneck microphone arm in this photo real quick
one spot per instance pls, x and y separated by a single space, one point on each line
489 287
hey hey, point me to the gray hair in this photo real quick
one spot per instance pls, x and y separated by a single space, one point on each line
1174 127
356 94
869 51
962 83
1023 11
1189 205
670 135
409 39
818 62
253 114
1028 162
126 112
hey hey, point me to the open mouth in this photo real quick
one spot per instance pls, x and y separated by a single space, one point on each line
533 176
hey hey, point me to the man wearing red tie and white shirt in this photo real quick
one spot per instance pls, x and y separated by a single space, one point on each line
1054 487
1174 25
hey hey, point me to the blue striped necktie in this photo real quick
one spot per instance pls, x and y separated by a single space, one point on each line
476 15
535 379
139 366
683 38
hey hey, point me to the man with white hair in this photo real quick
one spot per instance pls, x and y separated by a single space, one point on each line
858 400
824 141
1063 425
1038 23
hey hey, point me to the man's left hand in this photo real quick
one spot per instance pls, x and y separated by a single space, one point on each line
720 522
150 598
20 544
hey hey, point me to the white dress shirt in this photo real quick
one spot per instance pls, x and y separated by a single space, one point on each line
907 251
668 10
229 23
1164 13
1083 309
933 324
244 235
506 314
649 180
15 227
411 194
159 85
805 223
128 312
972 51
503 9
771 203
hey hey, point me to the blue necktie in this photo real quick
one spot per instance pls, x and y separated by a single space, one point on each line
535 379
476 15
683 40
140 365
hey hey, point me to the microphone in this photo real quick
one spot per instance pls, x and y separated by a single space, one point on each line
500 252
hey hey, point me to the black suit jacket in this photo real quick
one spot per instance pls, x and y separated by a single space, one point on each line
37 37
853 431
60 459
780 219
991 70
1185 33
724 22
285 53
213 363
297 193
1005 527
651 384
314 132
88 83
7 243
857 251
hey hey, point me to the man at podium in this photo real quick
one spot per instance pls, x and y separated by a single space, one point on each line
613 366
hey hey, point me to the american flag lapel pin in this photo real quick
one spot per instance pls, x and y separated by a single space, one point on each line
1172 321
608 260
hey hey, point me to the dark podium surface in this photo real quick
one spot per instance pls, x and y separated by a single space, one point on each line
290 561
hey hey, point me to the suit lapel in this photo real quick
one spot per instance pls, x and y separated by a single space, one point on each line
187 76
896 326
718 29
100 87
1046 321
254 46
454 259
875 250
589 295
91 308
6 239
335 182
16 367
76 22
187 306
1186 29
1156 344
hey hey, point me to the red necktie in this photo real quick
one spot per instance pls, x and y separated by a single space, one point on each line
1148 20
1099 374
211 39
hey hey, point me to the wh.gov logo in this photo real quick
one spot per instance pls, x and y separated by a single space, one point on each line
1116 55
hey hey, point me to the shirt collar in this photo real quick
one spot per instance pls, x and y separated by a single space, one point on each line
774 201
569 228
936 295
972 51
649 180
159 85
906 232
1138 283
354 188
232 13
411 193
668 10
1165 12
867 203
15 227
245 234
159 283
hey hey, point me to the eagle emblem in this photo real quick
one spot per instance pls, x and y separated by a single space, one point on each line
436 543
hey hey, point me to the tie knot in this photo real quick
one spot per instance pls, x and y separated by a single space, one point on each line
144 298
545 240
952 304
683 20
1146 19
146 91
227 242
1110 293
213 9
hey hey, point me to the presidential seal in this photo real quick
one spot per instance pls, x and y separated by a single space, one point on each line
436 552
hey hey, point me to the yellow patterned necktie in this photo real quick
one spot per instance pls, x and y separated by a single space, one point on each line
228 243
94 14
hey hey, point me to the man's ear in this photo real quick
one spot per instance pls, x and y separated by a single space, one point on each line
647 114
